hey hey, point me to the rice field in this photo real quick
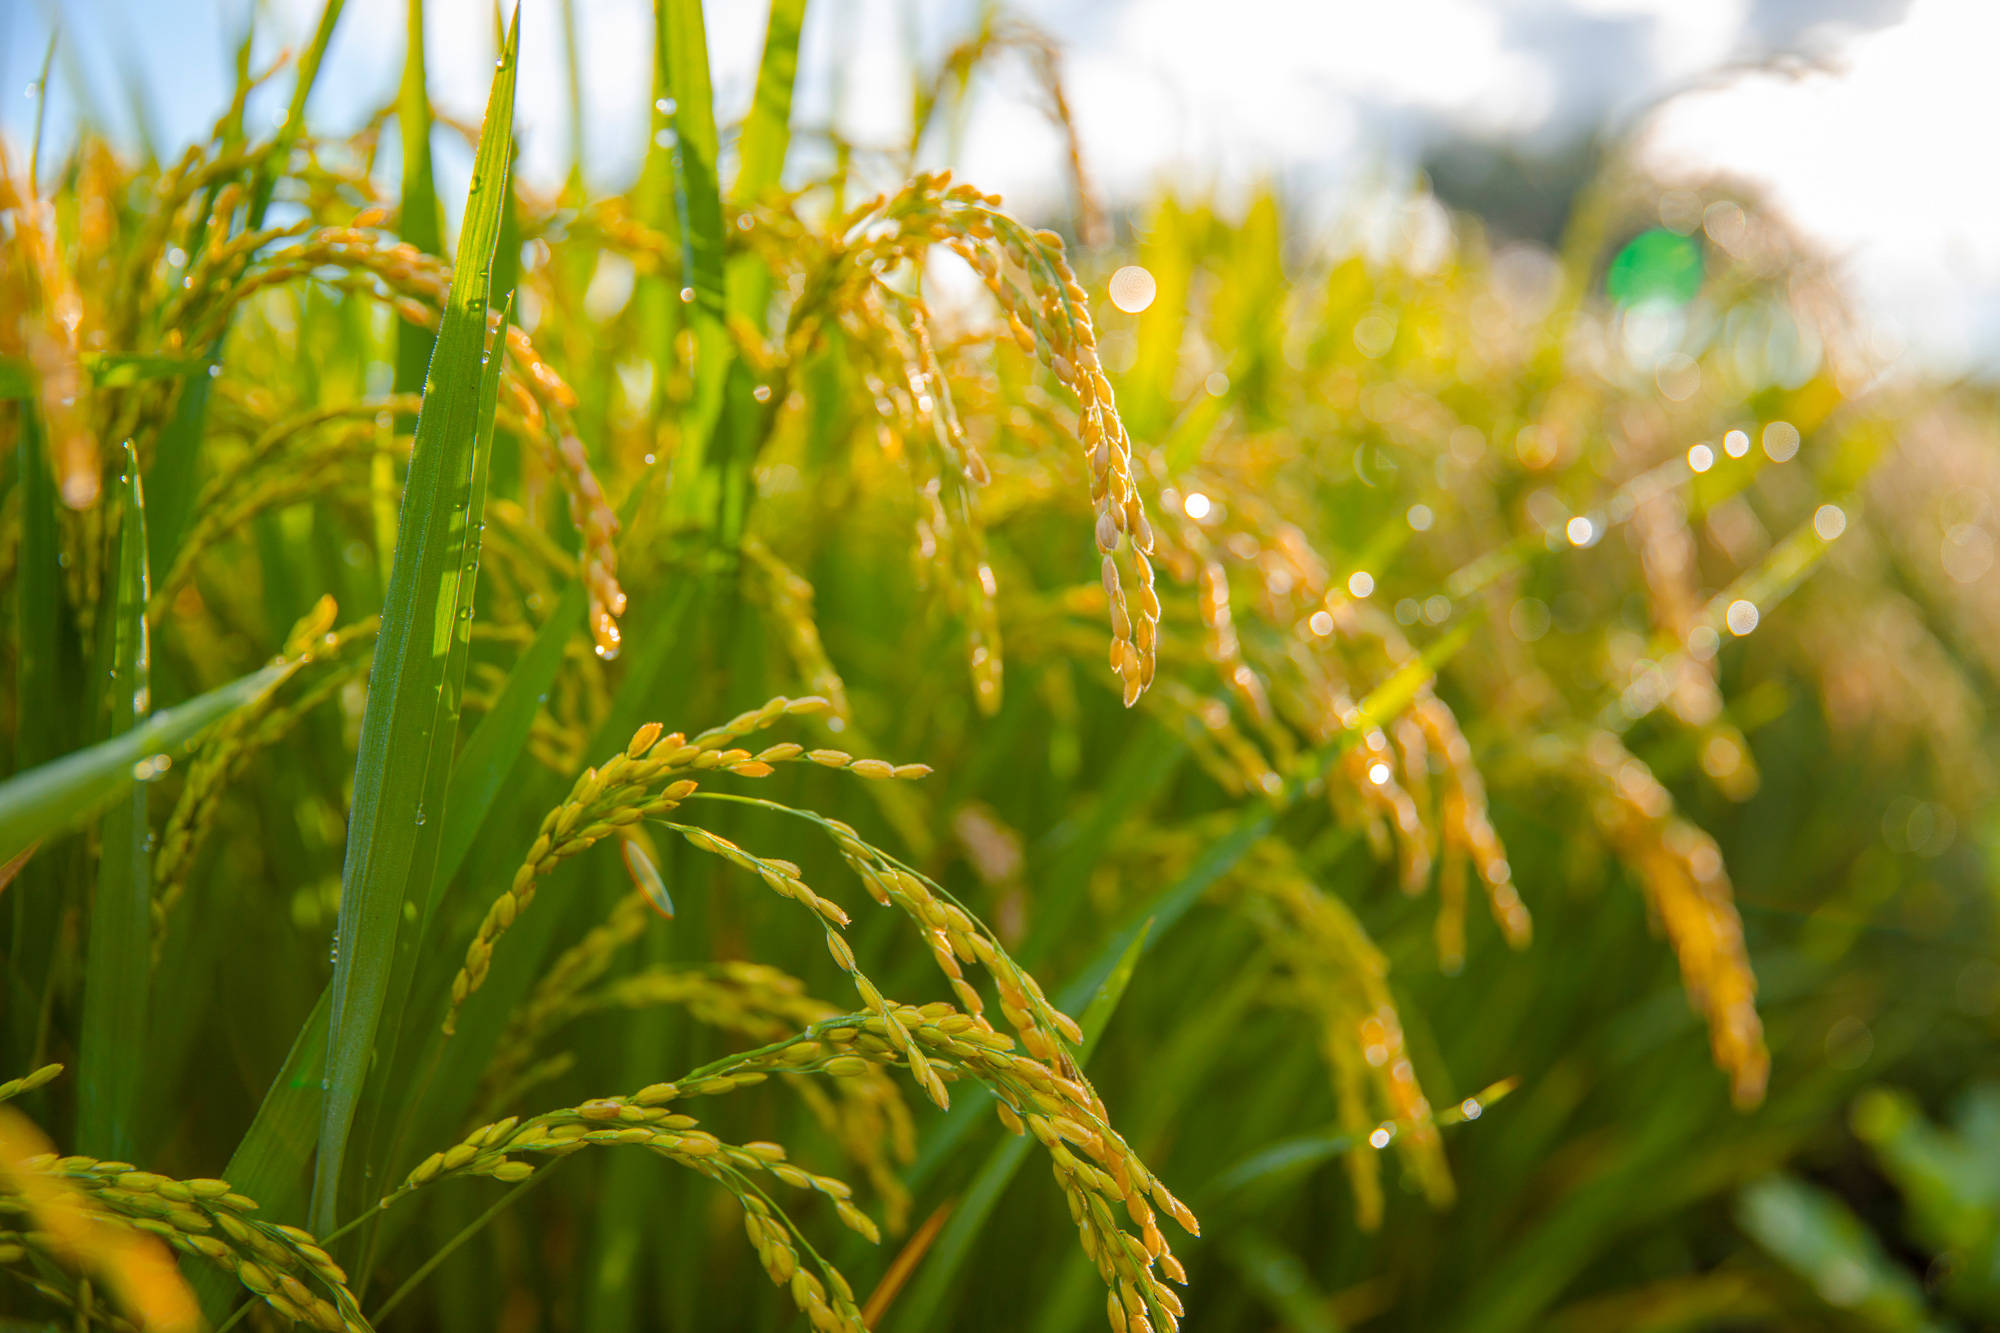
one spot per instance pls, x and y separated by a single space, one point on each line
760 752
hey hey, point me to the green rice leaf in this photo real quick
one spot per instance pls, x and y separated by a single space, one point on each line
419 221
57 796
430 840
402 766
767 132
683 52
118 965
573 98
490 752
271 1158
709 455
41 700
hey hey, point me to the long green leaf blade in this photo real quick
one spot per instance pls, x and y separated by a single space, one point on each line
271 1159
118 962
42 702
410 719
497 741
681 43
428 890
295 111
767 132
419 223
57 796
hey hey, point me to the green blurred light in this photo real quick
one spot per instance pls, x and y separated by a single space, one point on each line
1657 265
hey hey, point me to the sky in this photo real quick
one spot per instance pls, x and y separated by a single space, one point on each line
1856 117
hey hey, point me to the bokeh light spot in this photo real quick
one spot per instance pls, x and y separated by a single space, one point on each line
1133 289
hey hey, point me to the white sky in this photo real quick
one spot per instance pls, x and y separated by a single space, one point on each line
1868 144
1886 160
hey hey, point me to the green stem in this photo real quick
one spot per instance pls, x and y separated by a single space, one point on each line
450 1246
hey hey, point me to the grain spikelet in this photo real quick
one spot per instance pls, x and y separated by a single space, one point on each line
649 779
226 753
28 1082
415 286
1337 977
1111 1193
1047 312
647 1121
1681 872
109 1218
866 1115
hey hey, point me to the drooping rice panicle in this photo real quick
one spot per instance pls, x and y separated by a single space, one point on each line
108 1220
648 779
1687 887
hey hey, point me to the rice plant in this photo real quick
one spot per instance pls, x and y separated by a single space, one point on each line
1451 764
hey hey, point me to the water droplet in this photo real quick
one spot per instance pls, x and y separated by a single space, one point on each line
687 296
665 106
420 816
215 372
